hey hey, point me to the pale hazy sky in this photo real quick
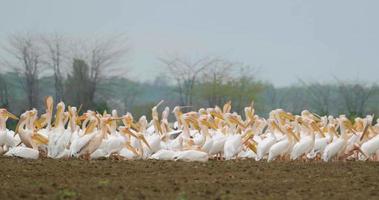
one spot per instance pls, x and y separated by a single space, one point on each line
285 40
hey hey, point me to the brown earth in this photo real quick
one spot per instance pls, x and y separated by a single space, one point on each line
243 179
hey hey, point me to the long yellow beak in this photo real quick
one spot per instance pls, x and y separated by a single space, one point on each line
216 115
39 123
90 128
294 136
58 116
141 137
130 148
252 146
287 116
249 134
157 126
12 116
365 131
39 138
128 132
236 121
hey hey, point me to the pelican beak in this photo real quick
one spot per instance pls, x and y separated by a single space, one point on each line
227 107
294 136
206 123
334 132
276 126
159 103
251 146
12 116
193 121
116 118
216 114
236 121
365 131
141 137
250 113
317 117
90 128
130 148
128 132
82 118
39 123
58 116
157 126
135 126
39 138
288 116
249 134
316 128
212 124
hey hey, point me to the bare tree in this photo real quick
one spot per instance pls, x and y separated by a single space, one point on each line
103 55
355 97
320 96
25 58
55 56
244 88
185 72
214 79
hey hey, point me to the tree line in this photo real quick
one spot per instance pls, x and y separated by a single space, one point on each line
92 73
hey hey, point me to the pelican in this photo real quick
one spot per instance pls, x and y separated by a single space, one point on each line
283 147
338 145
265 145
58 137
305 144
163 154
191 155
6 136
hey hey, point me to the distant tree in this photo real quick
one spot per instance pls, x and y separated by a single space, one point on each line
24 56
185 72
55 57
244 88
120 92
320 96
293 99
213 82
355 97
224 81
4 101
270 98
78 85
102 56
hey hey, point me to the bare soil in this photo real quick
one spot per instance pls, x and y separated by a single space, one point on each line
241 179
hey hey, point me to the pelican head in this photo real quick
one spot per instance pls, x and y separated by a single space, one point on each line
4 113
59 114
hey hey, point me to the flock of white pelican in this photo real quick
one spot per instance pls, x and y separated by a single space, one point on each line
211 133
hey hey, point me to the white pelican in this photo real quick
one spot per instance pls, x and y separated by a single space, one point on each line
338 145
265 145
58 133
163 154
283 147
191 155
6 136
23 152
306 143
